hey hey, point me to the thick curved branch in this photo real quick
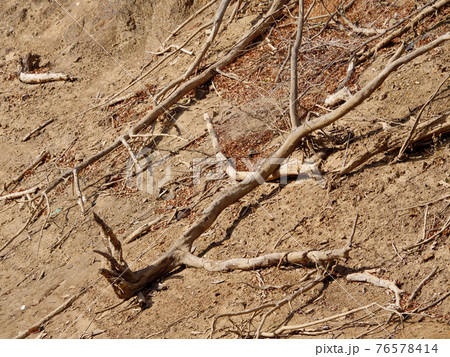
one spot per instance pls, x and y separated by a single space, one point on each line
234 193
272 14
264 261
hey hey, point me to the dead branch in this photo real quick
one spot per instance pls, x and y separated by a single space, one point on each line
272 14
434 303
77 189
189 19
91 334
32 216
36 327
38 78
127 283
388 143
433 237
216 25
360 30
369 278
411 132
130 151
307 258
235 11
293 106
43 155
14 195
424 203
422 283
427 11
42 126
111 102
266 305
168 48
287 328
142 230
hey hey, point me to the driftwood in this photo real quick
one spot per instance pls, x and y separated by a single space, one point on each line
127 283
38 78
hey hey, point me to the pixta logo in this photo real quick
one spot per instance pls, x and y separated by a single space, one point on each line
150 171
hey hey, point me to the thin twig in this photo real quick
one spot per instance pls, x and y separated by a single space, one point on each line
411 132
37 326
35 163
422 283
33 214
42 126
77 189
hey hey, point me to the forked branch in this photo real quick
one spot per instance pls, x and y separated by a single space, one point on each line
118 277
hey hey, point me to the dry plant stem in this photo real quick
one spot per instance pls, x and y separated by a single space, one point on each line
235 11
360 30
442 298
252 310
159 134
43 125
318 279
272 14
424 204
425 218
14 195
141 77
388 143
36 327
33 214
411 132
287 328
130 151
331 16
189 19
422 283
217 22
37 78
35 163
112 102
77 189
429 10
142 230
167 49
434 236
369 278
126 283
293 106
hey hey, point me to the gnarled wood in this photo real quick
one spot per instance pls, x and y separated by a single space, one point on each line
232 194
